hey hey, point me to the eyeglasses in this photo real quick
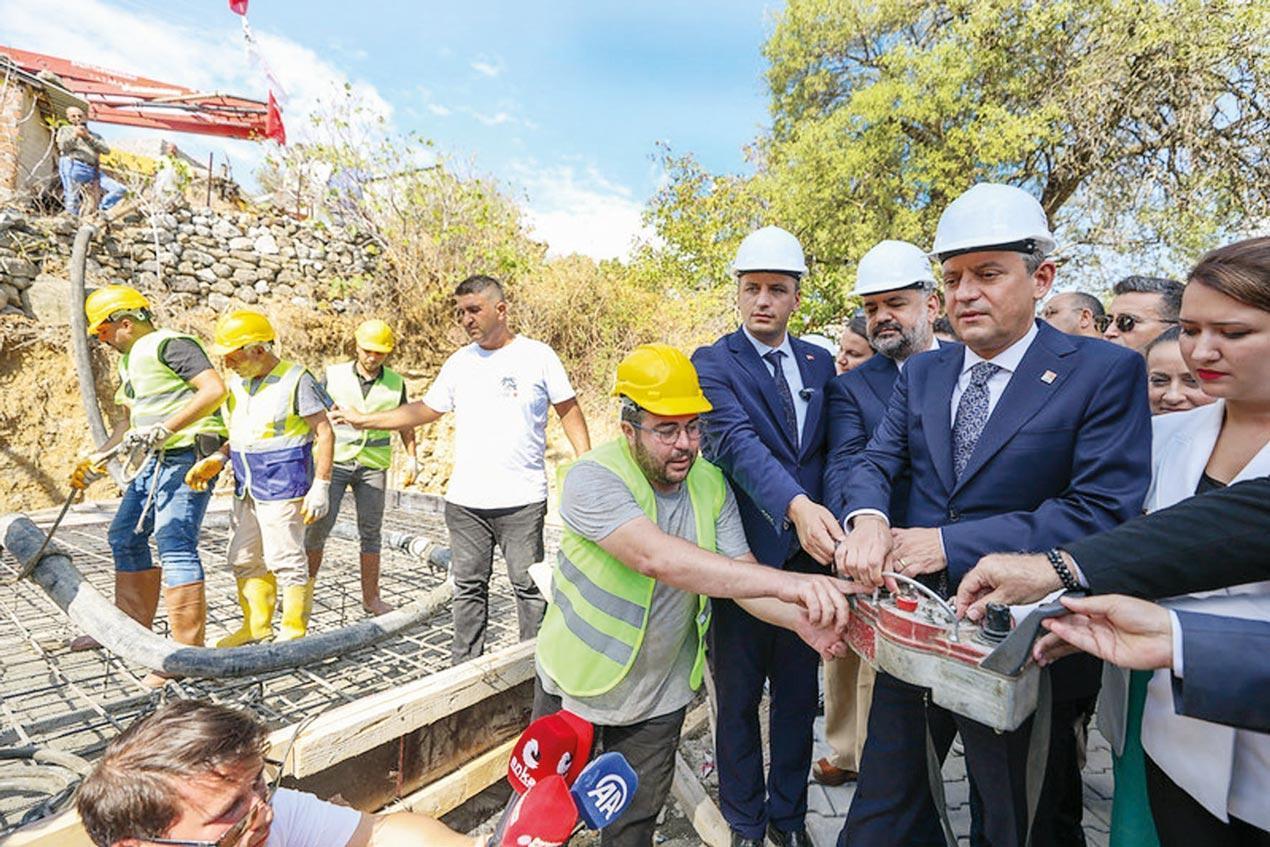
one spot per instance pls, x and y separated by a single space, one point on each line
1126 322
262 793
668 434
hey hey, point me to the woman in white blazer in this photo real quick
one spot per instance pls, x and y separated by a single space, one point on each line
1208 783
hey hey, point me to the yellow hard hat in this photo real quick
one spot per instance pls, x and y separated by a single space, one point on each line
375 335
660 379
239 328
111 300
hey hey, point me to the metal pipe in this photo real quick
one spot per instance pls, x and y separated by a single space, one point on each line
98 617
80 353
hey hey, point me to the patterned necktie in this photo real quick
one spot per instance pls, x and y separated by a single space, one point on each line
972 414
782 391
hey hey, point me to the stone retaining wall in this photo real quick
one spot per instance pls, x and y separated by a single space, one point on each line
220 259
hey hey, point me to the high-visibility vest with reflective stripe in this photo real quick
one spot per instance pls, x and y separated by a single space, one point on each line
153 392
270 445
598 614
370 447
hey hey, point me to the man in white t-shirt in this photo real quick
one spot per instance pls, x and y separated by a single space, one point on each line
193 773
499 388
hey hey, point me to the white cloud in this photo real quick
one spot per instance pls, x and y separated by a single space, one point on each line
489 69
580 211
438 110
492 120
204 54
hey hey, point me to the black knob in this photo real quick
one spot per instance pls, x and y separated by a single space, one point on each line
996 624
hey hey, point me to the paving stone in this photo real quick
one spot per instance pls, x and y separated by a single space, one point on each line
823 829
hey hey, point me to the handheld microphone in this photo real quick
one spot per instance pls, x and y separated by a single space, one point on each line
544 816
548 746
604 790
586 737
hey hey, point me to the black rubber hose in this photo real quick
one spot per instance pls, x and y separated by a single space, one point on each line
80 353
95 615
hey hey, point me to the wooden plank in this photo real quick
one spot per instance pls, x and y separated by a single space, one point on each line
396 768
61 830
697 805
367 723
453 790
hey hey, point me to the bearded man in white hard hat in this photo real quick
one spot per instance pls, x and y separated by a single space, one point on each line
766 432
1022 439
896 282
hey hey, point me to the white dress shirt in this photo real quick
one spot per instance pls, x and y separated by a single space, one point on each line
789 367
1007 360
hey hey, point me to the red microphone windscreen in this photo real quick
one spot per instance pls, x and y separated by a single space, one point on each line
544 816
586 737
547 746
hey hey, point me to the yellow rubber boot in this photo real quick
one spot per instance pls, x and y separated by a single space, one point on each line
257 595
297 602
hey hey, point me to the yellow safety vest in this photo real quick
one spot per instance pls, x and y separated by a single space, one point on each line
270 445
153 392
370 447
598 613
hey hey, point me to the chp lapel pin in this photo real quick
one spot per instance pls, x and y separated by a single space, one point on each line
1048 377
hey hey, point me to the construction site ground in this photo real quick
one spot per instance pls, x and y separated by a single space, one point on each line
77 702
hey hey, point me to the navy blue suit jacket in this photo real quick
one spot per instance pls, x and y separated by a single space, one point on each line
1066 452
1220 684
744 435
855 403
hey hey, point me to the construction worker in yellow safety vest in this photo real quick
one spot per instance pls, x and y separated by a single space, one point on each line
362 457
172 393
651 532
280 446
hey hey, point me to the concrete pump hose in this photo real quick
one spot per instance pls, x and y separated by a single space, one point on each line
79 345
95 615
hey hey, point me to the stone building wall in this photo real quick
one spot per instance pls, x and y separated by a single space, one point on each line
220 259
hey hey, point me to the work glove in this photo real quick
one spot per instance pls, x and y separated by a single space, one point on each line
88 469
317 502
148 438
200 476
411 472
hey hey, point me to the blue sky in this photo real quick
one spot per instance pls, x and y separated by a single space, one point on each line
564 101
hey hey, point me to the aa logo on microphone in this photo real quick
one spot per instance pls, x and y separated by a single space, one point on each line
609 795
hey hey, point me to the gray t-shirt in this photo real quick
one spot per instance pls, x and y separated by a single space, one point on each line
593 504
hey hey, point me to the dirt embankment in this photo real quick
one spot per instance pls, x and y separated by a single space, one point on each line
43 428
42 423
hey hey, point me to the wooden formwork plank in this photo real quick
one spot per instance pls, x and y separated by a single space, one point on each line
369 722
455 789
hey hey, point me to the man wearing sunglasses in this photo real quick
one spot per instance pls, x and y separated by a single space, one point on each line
192 774
1143 307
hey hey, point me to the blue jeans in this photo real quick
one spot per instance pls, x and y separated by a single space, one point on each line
77 176
174 519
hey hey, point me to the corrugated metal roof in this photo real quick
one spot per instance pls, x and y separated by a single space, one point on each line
56 99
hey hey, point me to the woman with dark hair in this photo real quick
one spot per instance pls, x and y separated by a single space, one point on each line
1171 387
1207 783
853 345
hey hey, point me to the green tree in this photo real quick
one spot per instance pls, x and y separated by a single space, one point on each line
1141 126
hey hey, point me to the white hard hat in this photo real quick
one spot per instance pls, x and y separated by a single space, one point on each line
770 249
892 265
992 216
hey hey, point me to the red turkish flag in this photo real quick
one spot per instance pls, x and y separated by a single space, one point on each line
238 7
273 121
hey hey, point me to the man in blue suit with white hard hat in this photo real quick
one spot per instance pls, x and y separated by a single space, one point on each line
766 432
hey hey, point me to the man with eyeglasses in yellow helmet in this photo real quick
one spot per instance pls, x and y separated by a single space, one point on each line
281 447
172 393
362 457
651 532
